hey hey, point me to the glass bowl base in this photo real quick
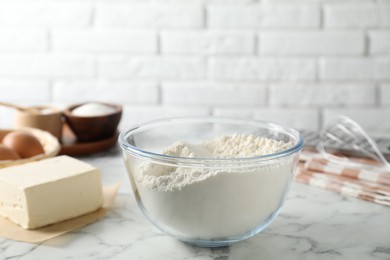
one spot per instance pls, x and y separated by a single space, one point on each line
228 241
212 243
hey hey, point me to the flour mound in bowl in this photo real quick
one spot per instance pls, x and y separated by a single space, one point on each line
166 178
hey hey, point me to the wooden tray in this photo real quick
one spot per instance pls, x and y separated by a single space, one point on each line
70 146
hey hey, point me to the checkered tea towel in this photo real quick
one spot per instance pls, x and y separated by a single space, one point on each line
368 183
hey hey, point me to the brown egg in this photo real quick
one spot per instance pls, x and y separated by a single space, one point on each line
25 144
8 154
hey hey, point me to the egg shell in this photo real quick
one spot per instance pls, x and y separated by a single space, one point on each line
23 143
8 154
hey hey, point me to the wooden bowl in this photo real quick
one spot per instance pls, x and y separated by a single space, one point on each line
93 128
50 144
50 121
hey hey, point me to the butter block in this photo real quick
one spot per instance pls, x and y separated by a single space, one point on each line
41 193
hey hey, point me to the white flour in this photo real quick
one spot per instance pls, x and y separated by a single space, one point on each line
214 203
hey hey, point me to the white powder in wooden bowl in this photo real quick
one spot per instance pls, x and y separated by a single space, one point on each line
93 109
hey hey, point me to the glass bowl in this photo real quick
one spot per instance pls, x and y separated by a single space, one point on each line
223 200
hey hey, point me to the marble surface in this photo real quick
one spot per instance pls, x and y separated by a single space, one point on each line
313 224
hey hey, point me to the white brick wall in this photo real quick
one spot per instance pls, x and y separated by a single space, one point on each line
297 117
139 114
14 90
355 68
371 119
112 40
357 15
385 95
211 94
351 94
294 62
23 40
208 42
147 15
263 16
103 90
255 68
45 14
380 42
300 118
152 67
46 65
316 43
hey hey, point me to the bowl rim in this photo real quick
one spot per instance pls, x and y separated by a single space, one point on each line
207 161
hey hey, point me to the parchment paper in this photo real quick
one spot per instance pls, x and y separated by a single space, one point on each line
12 231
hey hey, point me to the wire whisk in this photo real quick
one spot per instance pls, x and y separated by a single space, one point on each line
345 132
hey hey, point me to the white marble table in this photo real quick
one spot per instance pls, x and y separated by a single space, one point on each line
313 224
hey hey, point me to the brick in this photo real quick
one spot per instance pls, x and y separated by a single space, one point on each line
290 117
17 90
319 43
46 65
238 112
112 40
380 42
385 94
6 118
23 40
297 118
355 68
45 14
263 16
371 119
262 68
357 15
152 67
208 42
228 1
201 1
322 94
149 15
319 1
124 92
134 115
206 93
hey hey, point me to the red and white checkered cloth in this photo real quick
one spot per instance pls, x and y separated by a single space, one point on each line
368 183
